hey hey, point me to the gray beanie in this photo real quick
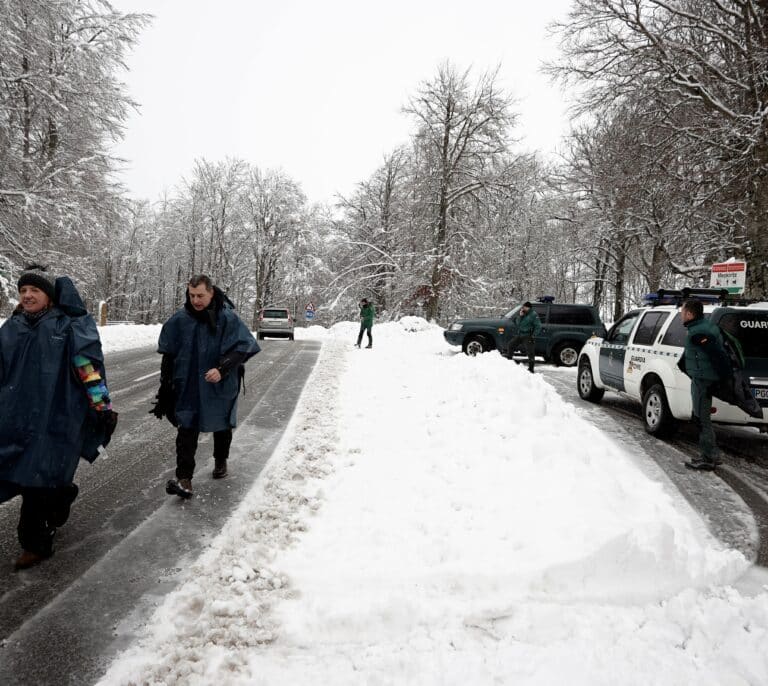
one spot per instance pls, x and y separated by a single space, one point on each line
39 277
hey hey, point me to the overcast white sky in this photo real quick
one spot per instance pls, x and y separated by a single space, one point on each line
316 87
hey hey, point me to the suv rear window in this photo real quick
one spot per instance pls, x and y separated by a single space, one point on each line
649 328
751 328
275 314
576 316
676 333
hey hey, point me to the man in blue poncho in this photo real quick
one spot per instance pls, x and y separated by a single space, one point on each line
54 405
204 346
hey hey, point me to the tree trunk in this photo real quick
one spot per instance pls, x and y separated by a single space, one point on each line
757 231
618 303
656 267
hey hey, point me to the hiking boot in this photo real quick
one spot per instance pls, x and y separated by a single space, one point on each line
357 345
701 465
370 345
179 487
220 470
28 559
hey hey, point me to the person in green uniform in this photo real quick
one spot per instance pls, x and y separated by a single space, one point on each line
705 361
366 322
528 327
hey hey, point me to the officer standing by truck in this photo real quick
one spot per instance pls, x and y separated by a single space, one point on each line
528 326
705 361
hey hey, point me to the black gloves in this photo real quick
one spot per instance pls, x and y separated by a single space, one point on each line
165 403
107 422
232 360
100 426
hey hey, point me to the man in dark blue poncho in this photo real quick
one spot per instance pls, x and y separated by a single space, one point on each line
54 405
204 346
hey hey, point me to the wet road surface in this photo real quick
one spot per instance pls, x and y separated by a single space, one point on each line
127 542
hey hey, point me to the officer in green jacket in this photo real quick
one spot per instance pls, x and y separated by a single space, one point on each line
705 361
366 322
527 327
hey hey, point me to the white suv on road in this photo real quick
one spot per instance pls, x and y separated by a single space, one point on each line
275 322
639 355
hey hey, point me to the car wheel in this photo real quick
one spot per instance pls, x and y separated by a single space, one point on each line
586 383
566 354
657 416
476 345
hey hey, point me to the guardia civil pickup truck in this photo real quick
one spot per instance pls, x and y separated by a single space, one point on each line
638 358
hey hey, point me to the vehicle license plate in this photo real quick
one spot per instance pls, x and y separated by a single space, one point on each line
760 393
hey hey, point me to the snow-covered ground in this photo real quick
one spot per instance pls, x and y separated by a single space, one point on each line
431 518
125 336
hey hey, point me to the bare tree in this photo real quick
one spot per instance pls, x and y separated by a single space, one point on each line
704 65
61 106
462 135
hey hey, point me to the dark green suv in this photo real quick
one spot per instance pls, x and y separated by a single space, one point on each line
564 329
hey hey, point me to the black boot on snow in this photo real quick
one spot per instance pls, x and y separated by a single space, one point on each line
220 470
179 487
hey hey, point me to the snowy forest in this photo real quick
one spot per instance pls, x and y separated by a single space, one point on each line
664 171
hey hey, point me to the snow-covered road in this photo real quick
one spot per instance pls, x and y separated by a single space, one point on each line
435 519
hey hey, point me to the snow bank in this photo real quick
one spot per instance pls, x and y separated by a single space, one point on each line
432 518
117 337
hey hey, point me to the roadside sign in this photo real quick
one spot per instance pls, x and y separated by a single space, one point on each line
309 312
731 275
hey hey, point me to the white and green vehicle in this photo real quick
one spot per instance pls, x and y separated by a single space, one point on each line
639 355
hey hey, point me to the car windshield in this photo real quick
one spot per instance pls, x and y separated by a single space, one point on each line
275 314
512 312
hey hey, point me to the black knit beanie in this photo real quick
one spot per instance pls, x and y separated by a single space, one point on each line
39 277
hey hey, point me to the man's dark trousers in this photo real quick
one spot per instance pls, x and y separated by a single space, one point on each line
365 328
42 511
701 398
530 347
186 447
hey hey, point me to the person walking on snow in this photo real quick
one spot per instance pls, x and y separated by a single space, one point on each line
367 314
527 327
204 345
55 406
706 362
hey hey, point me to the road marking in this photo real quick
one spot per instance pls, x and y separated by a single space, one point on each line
133 384
146 376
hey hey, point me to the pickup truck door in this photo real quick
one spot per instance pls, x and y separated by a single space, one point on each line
614 350
643 349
